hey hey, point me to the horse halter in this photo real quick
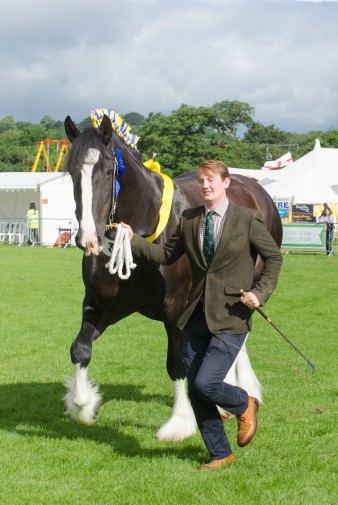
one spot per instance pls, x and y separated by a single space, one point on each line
118 171
115 173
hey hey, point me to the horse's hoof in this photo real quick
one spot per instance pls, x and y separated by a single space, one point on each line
84 414
176 429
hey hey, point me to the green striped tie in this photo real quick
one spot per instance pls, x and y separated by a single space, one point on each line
208 243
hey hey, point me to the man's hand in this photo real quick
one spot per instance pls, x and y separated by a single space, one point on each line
249 299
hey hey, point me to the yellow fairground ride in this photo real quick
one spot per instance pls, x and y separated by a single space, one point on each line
44 146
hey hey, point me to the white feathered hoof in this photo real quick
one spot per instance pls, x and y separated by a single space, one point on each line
86 413
177 428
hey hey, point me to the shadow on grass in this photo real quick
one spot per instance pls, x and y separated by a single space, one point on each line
36 410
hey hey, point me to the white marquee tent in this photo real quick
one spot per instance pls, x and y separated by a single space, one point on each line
313 179
248 172
52 194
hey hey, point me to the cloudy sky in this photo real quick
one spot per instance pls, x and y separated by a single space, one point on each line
70 56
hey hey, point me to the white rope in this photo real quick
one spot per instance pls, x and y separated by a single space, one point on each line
121 256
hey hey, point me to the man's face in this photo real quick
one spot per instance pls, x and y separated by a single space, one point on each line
212 187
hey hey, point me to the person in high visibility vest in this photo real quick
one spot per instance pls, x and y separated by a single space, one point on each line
33 224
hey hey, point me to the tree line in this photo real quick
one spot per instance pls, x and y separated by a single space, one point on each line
181 140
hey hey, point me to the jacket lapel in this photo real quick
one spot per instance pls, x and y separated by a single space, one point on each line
196 236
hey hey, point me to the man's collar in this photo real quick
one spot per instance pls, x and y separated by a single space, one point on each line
220 210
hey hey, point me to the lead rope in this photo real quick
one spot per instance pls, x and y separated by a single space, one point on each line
121 256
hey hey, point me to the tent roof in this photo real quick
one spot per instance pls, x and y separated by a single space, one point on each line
23 181
248 172
311 179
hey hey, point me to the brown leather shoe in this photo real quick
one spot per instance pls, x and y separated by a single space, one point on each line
215 463
247 423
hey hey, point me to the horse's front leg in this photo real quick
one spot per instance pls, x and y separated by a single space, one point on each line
82 400
182 423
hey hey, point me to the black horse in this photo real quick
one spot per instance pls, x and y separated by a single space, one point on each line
158 293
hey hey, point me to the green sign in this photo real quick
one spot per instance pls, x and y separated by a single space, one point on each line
310 236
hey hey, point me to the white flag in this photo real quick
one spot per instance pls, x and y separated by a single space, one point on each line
281 162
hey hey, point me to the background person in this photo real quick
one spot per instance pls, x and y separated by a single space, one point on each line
328 218
324 207
33 223
222 241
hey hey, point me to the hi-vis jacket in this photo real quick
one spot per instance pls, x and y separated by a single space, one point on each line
33 218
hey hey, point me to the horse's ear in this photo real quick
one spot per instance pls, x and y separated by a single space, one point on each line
106 129
71 131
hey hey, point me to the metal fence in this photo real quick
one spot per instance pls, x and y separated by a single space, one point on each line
50 232
62 232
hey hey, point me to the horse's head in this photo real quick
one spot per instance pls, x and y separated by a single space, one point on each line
91 163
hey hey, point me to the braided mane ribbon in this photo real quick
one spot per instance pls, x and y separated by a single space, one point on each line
122 128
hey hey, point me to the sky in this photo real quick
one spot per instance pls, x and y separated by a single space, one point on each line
70 57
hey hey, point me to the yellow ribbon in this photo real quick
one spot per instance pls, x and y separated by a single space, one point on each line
167 199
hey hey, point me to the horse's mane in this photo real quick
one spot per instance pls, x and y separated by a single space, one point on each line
89 138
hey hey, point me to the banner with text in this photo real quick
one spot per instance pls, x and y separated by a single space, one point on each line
303 213
310 236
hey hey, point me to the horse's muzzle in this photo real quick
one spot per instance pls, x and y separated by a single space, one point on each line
90 247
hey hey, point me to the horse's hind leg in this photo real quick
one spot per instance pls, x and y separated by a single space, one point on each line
182 423
241 374
82 400
246 377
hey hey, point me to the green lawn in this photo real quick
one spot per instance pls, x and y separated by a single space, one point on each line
47 459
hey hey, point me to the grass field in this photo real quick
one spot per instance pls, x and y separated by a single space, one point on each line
47 459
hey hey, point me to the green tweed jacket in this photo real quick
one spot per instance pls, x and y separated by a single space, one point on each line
232 268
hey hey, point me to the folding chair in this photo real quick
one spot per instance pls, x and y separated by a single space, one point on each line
19 234
11 232
3 231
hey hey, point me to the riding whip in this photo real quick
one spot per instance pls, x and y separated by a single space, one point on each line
262 313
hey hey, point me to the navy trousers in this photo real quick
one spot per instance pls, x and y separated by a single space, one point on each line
208 358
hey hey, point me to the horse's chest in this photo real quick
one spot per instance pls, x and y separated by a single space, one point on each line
98 280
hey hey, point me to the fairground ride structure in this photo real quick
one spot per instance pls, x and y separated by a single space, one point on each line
44 146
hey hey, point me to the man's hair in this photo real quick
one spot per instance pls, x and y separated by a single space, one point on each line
215 166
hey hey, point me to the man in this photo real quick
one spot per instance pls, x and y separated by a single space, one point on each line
222 241
33 223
